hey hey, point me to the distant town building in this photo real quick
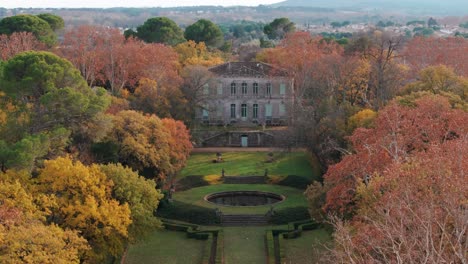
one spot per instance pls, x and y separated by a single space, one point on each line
247 94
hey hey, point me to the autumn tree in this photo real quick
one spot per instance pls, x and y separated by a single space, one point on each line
179 142
146 145
25 234
439 80
192 53
16 43
324 80
380 49
205 31
82 47
195 78
400 132
411 212
451 52
142 143
83 202
139 193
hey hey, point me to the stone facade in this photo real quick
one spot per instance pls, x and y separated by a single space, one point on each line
247 94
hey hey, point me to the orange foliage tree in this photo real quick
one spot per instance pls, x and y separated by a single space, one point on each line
18 42
411 212
422 52
399 133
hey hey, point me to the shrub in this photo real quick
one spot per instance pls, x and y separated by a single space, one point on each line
275 179
188 213
291 214
213 179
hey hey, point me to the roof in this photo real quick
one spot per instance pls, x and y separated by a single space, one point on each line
247 69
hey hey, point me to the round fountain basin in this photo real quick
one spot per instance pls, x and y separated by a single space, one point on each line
244 198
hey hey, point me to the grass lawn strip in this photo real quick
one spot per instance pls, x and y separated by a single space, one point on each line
168 247
252 163
244 245
307 248
294 197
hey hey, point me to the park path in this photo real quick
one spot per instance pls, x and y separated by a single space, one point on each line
239 149
244 245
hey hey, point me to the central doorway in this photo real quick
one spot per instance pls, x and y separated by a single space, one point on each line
244 141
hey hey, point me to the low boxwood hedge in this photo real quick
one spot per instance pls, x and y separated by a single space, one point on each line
290 214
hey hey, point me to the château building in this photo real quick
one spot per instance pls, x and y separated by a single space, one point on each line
247 94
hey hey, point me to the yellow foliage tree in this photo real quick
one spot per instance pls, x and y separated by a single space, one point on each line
363 118
84 203
191 53
25 237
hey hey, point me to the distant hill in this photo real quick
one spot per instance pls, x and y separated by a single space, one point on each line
435 7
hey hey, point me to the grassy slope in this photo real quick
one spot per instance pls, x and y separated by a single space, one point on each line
294 197
306 248
168 247
251 163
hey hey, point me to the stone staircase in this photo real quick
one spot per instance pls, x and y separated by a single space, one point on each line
244 180
243 220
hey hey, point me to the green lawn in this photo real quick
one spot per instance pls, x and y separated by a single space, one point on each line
168 247
294 197
244 245
307 248
252 163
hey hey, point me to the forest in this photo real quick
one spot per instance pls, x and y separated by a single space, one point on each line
95 122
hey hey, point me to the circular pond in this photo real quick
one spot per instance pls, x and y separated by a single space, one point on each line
244 198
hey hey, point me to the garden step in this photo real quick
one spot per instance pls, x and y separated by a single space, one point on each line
244 180
241 220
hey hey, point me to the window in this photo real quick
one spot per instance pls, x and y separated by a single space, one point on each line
255 89
255 111
244 110
268 88
282 110
219 110
268 110
244 88
233 88
233 111
282 89
205 114
220 88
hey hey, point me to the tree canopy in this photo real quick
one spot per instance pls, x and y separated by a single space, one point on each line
55 22
278 28
205 31
29 23
160 30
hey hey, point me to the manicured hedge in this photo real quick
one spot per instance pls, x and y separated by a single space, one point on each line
270 247
295 182
291 214
189 213
190 182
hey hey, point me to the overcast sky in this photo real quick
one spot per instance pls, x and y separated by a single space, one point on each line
128 3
